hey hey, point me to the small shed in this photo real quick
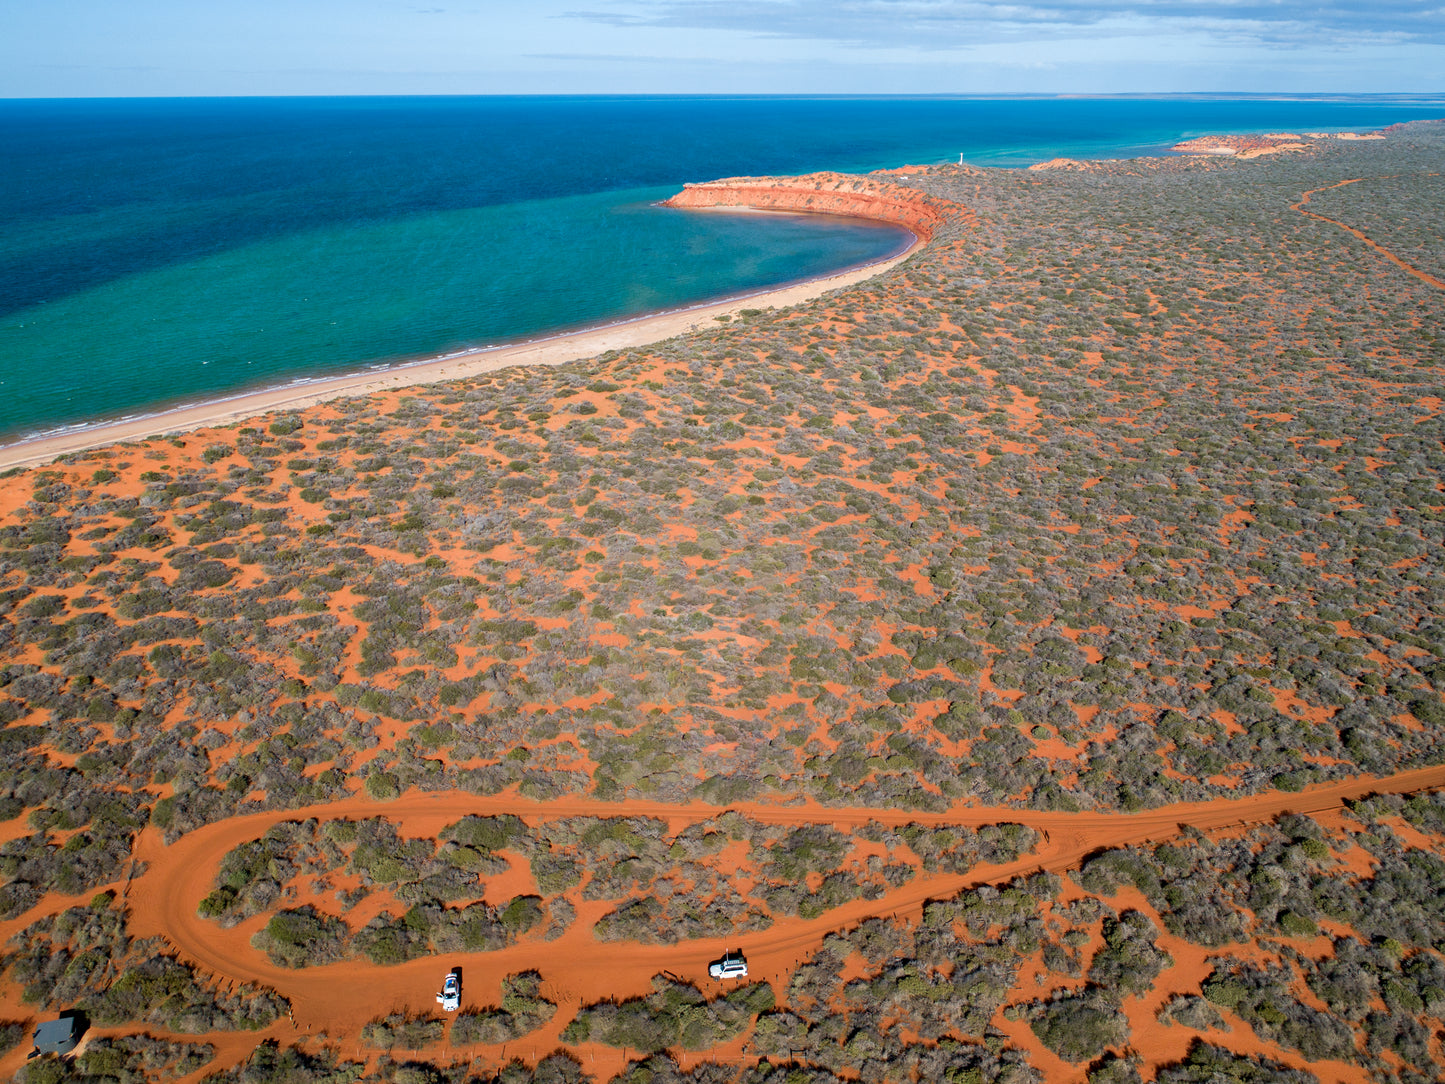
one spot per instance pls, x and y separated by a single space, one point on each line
58 1036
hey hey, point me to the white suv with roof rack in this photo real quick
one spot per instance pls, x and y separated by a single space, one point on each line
733 965
450 999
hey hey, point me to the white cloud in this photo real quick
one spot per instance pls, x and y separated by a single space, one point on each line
943 24
99 47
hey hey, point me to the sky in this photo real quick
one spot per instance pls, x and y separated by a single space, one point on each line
103 48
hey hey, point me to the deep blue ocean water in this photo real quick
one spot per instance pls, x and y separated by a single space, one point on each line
155 251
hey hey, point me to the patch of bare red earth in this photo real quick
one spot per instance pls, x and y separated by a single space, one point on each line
337 999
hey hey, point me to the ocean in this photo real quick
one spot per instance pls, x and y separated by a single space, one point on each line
162 251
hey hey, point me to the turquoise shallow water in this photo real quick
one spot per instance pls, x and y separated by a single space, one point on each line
340 297
163 251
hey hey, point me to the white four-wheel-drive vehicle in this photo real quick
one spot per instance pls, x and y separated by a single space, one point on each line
731 966
450 998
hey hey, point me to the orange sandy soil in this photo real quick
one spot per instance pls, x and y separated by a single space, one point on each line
1252 146
330 1003
827 193
1243 146
1218 146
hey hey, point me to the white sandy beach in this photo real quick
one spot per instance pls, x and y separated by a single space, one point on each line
555 350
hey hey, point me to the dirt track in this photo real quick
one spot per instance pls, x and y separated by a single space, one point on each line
338 998
1381 249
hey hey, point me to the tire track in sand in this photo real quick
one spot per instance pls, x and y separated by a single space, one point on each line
339 997
1381 249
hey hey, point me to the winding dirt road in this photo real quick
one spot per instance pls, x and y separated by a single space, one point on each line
1381 249
338 998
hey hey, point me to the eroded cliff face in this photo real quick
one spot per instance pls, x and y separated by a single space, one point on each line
823 193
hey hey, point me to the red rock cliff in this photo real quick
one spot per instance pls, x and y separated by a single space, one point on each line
823 193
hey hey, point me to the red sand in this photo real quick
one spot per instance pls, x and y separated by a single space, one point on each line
337 997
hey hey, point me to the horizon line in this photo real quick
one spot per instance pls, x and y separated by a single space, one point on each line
1294 95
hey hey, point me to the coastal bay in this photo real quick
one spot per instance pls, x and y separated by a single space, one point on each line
549 350
156 253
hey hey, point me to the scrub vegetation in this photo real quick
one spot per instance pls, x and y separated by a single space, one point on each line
1125 491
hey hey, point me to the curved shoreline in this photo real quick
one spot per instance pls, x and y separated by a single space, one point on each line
556 349
859 196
